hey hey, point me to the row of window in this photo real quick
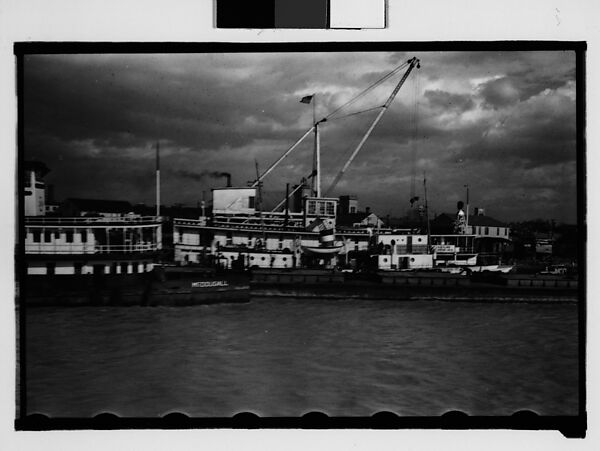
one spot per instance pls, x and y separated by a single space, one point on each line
258 242
48 236
320 207
262 259
98 269
384 259
486 231
419 240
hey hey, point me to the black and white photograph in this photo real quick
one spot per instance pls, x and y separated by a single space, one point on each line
279 230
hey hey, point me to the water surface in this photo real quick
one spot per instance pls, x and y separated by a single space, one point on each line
287 357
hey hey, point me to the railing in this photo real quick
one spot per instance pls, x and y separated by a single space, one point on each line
295 226
455 236
65 249
55 221
259 227
424 249
456 250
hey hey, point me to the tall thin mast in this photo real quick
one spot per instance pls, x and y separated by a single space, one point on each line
157 178
427 211
317 149
467 216
259 202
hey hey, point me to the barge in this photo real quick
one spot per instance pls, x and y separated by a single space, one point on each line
412 286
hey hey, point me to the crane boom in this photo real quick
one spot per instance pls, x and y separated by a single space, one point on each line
287 152
412 63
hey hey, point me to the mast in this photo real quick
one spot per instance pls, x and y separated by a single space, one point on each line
157 178
318 159
316 181
259 202
467 216
427 211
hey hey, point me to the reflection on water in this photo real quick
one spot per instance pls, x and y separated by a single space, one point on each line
287 357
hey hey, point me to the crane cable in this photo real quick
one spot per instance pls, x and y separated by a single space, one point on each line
413 62
415 137
358 112
351 101
366 90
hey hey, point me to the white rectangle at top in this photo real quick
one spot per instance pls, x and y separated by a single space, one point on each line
357 13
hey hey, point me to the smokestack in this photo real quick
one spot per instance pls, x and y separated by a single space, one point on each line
228 176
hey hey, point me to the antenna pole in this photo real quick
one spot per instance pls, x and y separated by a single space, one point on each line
157 178
259 201
318 153
467 216
426 210
317 168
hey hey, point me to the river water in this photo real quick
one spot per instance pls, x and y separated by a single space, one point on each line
287 357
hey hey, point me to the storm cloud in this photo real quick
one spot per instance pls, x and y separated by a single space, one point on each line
503 122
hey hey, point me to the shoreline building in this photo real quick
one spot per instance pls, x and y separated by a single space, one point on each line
489 235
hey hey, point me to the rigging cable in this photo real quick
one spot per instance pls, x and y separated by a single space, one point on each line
412 63
366 90
357 112
351 101
414 141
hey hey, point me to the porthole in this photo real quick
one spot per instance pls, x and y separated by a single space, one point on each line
251 258
412 259
419 240
284 259
385 260
262 259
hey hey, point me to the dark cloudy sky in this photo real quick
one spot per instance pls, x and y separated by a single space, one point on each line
502 122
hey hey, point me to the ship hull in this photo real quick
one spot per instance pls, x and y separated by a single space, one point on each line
132 289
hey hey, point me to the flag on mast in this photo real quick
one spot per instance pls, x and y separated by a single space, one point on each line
306 99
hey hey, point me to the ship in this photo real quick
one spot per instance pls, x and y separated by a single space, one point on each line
116 257
302 231
100 253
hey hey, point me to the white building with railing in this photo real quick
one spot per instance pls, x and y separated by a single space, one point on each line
98 245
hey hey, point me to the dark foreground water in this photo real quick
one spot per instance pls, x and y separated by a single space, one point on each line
279 357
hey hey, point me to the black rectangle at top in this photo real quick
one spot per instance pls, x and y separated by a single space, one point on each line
245 13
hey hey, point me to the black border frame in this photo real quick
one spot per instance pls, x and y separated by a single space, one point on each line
570 426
